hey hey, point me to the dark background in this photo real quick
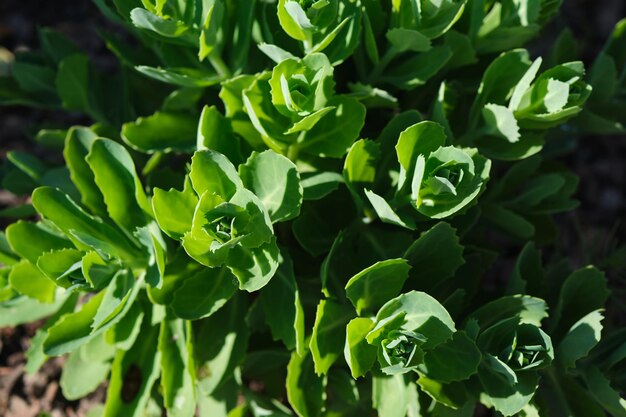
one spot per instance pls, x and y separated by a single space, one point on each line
588 234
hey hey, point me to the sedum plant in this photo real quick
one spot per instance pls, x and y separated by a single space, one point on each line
313 208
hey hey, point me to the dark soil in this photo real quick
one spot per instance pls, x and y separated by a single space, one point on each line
588 235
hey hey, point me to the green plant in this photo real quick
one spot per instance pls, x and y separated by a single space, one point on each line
358 167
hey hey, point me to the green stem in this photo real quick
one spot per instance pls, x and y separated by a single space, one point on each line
558 395
382 64
308 43
293 151
219 65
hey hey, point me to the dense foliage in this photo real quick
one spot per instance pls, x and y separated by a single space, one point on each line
290 207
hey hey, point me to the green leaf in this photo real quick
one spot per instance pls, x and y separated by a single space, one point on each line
434 257
31 240
213 172
394 396
28 280
294 20
501 121
84 230
215 133
456 359
583 336
254 267
22 310
28 164
282 306
371 288
73 83
360 163
317 185
34 78
80 376
115 175
419 139
210 28
386 213
168 28
506 396
275 180
73 329
333 135
329 334
582 292
77 145
608 397
450 396
420 313
116 295
182 77
56 45
174 210
162 132
403 40
305 390
133 375
203 293
359 354
220 343
177 376
529 310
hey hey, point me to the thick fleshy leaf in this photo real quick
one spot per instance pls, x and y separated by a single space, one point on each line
282 305
371 288
329 334
359 354
114 173
275 180
434 257
584 291
213 172
394 396
133 375
28 280
81 376
360 164
456 359
177 374
220 343
31 240
336 132
305 390
203 293
583 336
417 312
162 132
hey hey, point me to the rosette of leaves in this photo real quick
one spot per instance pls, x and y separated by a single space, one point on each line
514 105
400 42
332 26
185 44
429 19
605 110
220 222
434 180
412 331
293 109
514 348
518 22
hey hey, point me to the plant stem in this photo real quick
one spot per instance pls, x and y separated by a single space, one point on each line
219 65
